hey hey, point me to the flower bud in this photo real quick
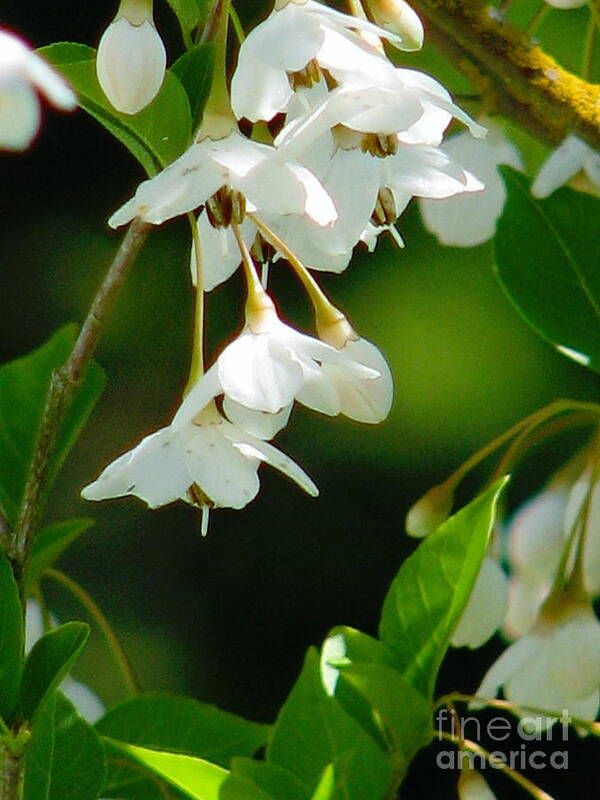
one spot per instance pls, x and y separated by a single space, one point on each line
430 511
398 17
131 58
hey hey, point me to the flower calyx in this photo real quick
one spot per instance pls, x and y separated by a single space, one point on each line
226 207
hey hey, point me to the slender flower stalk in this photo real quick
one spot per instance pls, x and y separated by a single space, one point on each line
197 363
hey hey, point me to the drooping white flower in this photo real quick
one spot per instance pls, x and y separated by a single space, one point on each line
473 786
574 515
465 220
23 73
486 608
398 17
206 461
254 170
83 698
556 665
269 366
131 58
300 38
571 157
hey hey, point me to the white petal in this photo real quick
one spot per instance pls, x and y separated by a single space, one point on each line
526 593
318 205
318 392
574 653
535 534
273 186
228 477
257 423
219 251
568 158
363 399
398 17
200 395
19 115
426 171
485 610
255 374
512 660
275 458
473 786
130 64
83 698
47 81
153 471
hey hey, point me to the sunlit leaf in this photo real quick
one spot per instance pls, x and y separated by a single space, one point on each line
313 730
49 661
24 385
547 254
155 136
429 593
258 780
197 778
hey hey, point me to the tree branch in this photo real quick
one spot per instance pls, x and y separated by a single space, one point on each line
515 77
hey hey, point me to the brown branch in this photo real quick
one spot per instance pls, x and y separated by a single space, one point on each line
515 77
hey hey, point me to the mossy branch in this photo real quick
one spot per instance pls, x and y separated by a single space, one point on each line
514 76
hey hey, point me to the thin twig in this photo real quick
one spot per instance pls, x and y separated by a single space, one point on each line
65 382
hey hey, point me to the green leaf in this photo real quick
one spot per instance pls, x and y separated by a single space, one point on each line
49 661
197 778
64 759
313 730
11 640
257 780
155 136
188 13
49 544
23 388
429 593
396 708
547 254
180 724
40 752
195 70
326 786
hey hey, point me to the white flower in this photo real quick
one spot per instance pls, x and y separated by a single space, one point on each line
574 515
569 158
398 17
556 665
255 170
465 220
82 697
131 58
486 608
267 367
473 786
23 73
526 594
299 36
206 461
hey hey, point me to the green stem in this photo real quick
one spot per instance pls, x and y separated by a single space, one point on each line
197 362
590 39
237 25
63 385
539 16
96 614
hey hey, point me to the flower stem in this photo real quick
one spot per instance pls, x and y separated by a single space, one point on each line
539 16
96 614
497 763
590 40
64 383
237 25
197 363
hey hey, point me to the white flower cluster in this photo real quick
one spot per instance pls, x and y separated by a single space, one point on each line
546 603
358 137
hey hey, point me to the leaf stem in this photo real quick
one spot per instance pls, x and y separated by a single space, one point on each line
64 383
96 614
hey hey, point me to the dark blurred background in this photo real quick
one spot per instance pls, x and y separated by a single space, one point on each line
227 618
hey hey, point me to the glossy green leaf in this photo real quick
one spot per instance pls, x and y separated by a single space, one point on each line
429 593
258 780
313 730
64 758
49 661
180 724
197 778
40 752
397 709
194 70
326 786
155 136
50 543
23 388
547 254
11 640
